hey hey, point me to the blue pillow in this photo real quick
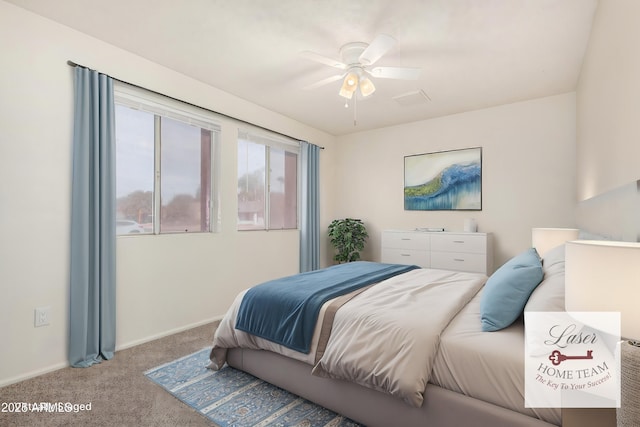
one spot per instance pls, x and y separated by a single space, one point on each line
508 289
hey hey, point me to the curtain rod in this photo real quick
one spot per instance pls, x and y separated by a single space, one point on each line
74 64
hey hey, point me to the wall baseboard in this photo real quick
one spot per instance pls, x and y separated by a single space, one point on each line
167 333
33 374
62 365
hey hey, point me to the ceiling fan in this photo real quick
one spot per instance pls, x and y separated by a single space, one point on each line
357 63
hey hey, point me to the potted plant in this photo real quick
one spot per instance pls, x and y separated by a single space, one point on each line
347 236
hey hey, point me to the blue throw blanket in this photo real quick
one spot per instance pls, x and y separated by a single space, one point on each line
285 310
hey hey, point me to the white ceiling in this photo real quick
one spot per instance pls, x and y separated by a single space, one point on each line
473 53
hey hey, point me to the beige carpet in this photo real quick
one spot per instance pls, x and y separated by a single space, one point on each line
119 393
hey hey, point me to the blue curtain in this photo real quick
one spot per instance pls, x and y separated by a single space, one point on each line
92 288
310 207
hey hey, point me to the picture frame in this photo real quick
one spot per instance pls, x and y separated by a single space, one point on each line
444 180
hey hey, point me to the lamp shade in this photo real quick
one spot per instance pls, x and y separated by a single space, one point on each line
544 239
367 87
349 85
345 92
604 276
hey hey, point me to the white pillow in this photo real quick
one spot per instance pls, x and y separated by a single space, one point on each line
549 294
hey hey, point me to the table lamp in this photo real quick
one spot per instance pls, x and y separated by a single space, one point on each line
605 276
544 239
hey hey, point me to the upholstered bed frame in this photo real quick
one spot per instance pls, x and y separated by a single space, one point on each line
469 361
441 408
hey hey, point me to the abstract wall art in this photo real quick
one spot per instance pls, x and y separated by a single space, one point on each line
445 180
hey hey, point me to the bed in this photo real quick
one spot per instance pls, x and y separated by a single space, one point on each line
408 350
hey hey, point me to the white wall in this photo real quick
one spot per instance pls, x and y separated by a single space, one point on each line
608 125
528 169
609 101
164 283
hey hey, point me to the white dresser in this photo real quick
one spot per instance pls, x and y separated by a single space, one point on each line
472 252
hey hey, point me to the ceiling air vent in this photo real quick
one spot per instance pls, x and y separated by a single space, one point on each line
415 97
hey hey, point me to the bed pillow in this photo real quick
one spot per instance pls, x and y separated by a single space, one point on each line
549 294
508 289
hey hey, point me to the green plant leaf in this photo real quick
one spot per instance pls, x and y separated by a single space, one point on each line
348 237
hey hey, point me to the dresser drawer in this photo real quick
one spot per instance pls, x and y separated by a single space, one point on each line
405 256
400 240
459 243
459 261
456 251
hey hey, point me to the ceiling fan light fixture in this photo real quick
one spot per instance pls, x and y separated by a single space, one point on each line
349 85
345 93
357 60
367 87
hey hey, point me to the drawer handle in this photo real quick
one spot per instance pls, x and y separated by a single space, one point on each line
405 254
458 241
458 259
405 238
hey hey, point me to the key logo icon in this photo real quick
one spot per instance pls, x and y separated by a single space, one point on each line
557 358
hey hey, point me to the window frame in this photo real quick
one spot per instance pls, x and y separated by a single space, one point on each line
163 106
270 141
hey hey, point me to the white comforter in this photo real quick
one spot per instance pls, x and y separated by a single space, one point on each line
386 338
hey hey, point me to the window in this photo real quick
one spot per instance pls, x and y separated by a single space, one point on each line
134 170
267 183
165 153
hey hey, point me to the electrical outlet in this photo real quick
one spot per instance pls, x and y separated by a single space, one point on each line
42 316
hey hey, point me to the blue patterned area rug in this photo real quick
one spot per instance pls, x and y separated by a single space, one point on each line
230 397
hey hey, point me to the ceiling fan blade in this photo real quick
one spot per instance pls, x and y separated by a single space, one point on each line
400 73
323 59
323 82
378 47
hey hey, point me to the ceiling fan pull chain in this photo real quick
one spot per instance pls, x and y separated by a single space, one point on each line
355 109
